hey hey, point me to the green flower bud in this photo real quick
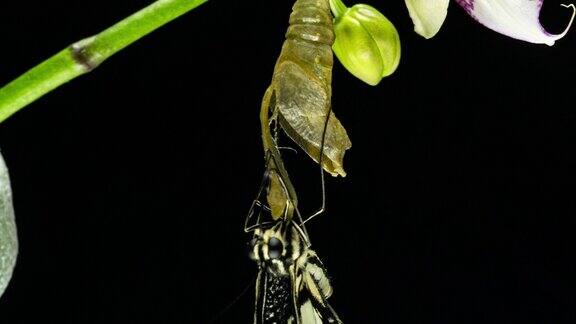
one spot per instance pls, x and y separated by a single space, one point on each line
367 43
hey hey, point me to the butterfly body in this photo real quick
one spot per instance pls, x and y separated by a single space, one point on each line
292 285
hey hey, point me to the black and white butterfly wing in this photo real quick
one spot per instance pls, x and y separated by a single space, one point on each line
274 299
278 302
314 293
313 313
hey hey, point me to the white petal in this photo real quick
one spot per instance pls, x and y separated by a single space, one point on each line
427 15
515 18
8 239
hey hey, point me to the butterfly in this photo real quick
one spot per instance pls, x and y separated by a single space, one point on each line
292 285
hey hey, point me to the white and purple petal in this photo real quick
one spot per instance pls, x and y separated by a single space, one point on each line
427 15
515 18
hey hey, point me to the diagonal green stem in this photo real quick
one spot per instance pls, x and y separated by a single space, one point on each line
85 55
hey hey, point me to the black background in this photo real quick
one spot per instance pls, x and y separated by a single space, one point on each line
131 183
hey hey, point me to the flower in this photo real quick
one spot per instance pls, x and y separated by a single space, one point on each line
427 15
367 43
515 18
8 237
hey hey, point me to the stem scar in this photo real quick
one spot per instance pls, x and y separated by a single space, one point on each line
82 57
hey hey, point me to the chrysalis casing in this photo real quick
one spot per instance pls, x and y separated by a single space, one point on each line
8 237
300 92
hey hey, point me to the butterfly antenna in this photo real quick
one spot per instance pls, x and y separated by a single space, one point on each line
233 302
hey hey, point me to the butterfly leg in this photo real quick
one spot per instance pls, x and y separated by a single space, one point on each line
322 181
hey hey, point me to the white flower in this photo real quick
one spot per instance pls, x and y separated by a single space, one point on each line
515 18
8 238
427 15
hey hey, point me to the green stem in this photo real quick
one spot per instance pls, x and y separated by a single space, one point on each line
85 55
338 8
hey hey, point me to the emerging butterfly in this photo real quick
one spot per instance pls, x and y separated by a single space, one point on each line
292 285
